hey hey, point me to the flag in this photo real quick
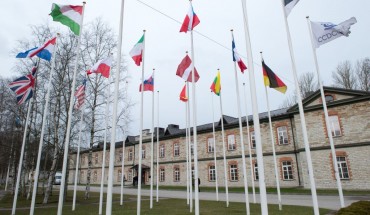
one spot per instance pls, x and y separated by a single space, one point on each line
137 52
272 80
183 96
148 84
24 86
237 59
69 15
102 66
288 6
184 70
191 20
44 52
216 85
323 32
80 95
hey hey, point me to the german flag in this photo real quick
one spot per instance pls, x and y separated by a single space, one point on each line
272 80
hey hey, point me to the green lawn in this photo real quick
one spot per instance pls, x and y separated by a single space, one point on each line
165 206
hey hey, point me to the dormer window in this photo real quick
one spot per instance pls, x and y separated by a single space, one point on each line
329 98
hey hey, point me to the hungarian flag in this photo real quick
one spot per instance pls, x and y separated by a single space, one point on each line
69 15
288 6
272 80
44 52
137 52
237 59
191 20
102 66
184 70
80 95
183 96
148 84
216 85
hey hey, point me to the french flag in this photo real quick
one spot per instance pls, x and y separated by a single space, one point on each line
191 20
44 52
236 58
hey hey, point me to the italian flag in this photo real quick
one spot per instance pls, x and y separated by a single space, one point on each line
137 52
69 15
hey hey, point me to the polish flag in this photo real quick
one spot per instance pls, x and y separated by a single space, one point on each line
191 20
102 66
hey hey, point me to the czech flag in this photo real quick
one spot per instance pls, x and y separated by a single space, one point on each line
191 20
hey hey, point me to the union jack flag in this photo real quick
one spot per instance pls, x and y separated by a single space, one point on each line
24 86
80 95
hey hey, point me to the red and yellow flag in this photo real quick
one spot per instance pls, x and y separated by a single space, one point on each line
272 80
216 85
183 96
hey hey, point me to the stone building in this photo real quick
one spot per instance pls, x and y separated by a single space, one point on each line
349 114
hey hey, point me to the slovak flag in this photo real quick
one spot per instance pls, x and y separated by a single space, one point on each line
102 66
191 20
148 85
237 59
44 52
24 86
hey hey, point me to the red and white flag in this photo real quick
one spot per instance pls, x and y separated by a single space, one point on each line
80 95
184 70
102 66
191 20
183 96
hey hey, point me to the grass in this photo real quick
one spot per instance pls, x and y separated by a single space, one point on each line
165 206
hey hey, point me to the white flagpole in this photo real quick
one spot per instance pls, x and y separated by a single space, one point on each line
214 146
114 118
77 161
249 145
241 137
224 153
157 196
104 148
10 158
141 132
256 121
20 165
302 117
152 147
187 154
328 129
189 148
123 161
46 107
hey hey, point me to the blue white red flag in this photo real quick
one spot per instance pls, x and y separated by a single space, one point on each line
236 58
148 84
24 86
191 20
44 52
80 95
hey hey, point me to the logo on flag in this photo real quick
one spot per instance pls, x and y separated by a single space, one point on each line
44 52
80 95
148 84
24 86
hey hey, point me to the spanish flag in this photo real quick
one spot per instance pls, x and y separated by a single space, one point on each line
216 85
272 80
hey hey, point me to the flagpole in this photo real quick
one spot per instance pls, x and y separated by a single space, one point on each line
224 153
328 129
241 136
114 118
10 158
302 117
187 154
21 156
77 161
104 148
141 131
249 145
256 121
189 146
157 196
123 159
214 146
152 147
47 100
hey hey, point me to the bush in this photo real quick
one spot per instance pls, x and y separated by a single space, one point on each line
357 208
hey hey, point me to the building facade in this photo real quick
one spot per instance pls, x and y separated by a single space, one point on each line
349 115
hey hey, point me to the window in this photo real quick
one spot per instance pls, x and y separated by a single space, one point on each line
129 175
176 174
130 155
335 126
192 172
161 174
256 177
342 167
287 170
231 142
161 151
96 158
192 148
329 98
210 145
119 175
83 160
212 172
120 156
143 153
233 172
176 150
95 176
82 176
282 135
253 140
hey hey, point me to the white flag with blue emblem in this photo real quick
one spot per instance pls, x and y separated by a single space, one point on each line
324 32
288 6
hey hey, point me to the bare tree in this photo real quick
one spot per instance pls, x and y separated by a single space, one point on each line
344 76
363 74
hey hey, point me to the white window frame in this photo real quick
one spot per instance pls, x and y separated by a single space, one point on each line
335 126
231 145
282 132
161 151
210 147
192 148
119 175
96 158
253 139
143 154
162 174
234 172
120 156
129 175
343 169
176 150
212 172
287 169
255 167
130 153
177 174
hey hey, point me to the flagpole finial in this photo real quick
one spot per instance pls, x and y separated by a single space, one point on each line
153 69
231 30
307 17
243 84
144 30
186 52
157 91
58 34
83 2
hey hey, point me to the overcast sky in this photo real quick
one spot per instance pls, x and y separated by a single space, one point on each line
165 46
